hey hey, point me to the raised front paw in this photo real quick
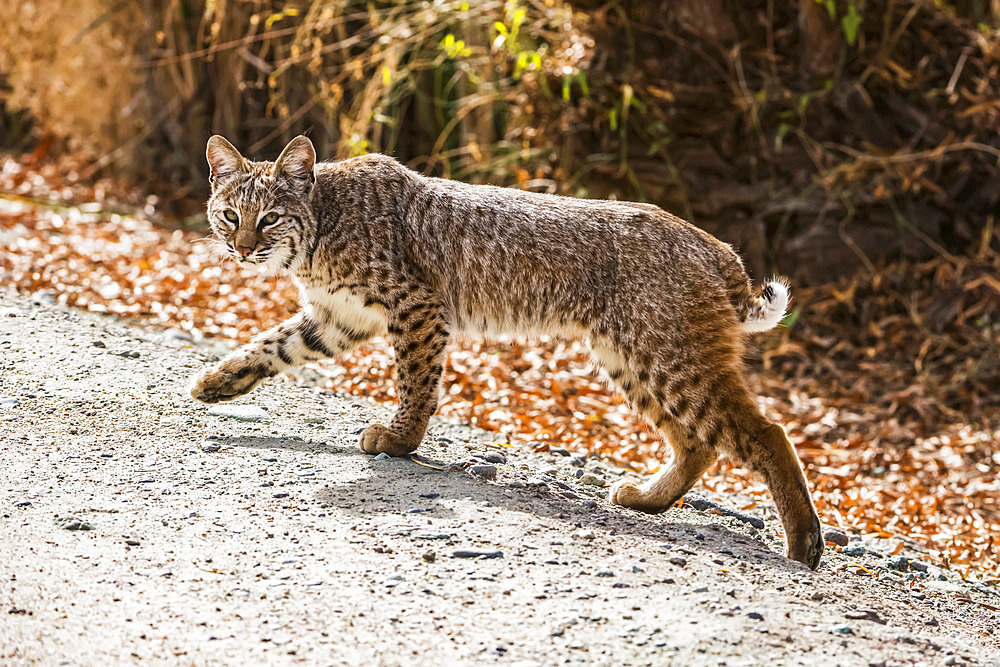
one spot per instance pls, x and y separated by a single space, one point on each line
227 380
377 439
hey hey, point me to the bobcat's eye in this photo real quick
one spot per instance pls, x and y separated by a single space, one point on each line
231 215
268 220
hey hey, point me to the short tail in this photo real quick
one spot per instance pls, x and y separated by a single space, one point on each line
765 311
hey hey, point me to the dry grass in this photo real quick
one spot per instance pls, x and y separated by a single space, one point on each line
442 85
70 65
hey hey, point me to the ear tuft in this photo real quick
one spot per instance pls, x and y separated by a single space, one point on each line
223 158
297 160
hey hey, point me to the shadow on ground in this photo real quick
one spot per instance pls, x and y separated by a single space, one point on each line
402 486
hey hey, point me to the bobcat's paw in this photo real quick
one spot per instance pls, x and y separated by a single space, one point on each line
227 381
626 494
806 546
377 439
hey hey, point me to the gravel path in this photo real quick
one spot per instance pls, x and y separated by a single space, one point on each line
137 527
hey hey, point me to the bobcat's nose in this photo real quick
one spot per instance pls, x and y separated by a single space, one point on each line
244 251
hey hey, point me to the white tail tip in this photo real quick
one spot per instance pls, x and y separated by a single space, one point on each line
773 304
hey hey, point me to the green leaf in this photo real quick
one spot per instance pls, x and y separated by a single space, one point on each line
613 119
791 318
520 64
518 19
804 101
565 88
850 24
779 138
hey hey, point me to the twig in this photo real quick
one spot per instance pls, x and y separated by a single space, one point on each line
959 66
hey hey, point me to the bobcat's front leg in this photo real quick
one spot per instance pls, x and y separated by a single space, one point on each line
309 336
419 335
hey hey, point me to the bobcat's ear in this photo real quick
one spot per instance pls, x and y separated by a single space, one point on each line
297 161
223 158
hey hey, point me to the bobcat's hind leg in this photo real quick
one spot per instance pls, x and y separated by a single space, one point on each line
734 421
775 459
691 460
692 457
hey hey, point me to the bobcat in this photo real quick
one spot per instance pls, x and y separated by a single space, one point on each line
375 247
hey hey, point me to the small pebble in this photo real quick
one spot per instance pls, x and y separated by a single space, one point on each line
755 615
584 535
918 566
605 573
561 451
841 630
211 447
430 495
592 480
857 550
577 461
495 457
476 553
865 615
22 503
383 457
243 413
837 536
9 403
578 473
484 470
900 563
73 523
430 556
100 344
132 542
679 561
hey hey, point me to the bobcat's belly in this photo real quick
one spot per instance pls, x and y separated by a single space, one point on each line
349 310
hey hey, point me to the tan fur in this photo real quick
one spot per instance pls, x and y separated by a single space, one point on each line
375 248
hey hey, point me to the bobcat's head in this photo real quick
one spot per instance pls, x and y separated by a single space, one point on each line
261 210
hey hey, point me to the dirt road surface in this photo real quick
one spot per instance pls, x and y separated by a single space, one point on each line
137 526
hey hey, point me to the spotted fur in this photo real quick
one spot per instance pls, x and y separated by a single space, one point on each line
376 248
